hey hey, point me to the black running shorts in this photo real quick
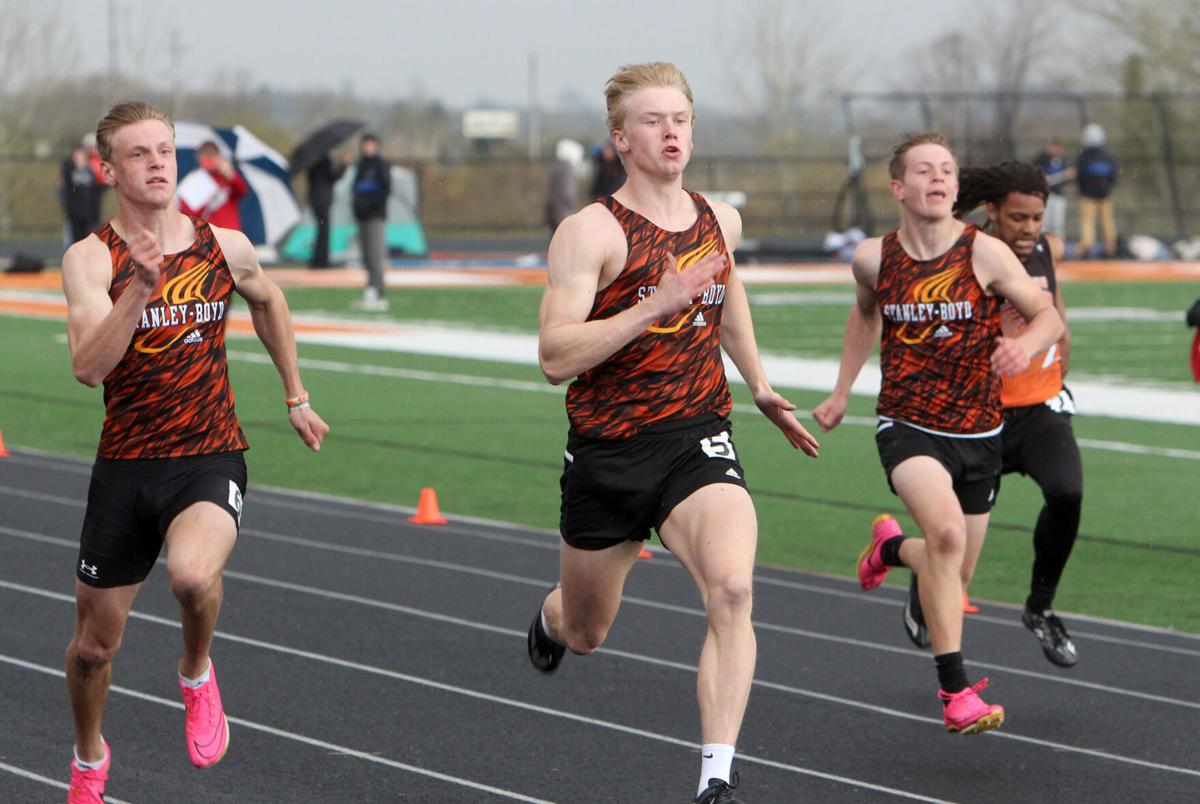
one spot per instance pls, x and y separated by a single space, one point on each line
1035 431
973 463
131 503
616 490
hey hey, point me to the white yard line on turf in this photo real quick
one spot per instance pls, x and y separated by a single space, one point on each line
392 372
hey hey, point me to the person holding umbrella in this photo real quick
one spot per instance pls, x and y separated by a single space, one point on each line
312 157
321 178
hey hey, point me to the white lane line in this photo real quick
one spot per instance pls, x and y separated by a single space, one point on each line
858 597
450 688
46 780
282 733
474 625
1135 395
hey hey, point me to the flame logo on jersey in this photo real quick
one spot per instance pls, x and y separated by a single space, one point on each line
683 261
934 288
181 297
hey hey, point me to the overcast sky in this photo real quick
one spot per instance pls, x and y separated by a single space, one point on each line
467 51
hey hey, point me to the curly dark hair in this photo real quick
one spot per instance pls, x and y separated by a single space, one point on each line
992 184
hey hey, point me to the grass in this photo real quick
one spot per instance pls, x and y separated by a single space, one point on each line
496 452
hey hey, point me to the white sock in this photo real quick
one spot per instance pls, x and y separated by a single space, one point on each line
715 759
91 765
546 630
197 682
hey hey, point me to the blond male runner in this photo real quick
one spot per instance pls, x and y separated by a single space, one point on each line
933 288
147 300
642 296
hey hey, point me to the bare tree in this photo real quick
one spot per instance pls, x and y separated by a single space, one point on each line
1001 53
782 62
35 52
1161 33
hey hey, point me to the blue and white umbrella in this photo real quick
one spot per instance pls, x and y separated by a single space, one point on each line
269 210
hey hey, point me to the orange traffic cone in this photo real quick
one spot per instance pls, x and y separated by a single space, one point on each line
3 451
427 509
968 606
645 554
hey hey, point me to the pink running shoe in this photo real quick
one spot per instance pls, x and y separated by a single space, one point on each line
966 713
87 786
205 726
871 569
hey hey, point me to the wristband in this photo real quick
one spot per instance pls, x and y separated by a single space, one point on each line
298 403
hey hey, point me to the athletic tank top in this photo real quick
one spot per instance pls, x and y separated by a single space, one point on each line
939 331
673 370
170 396
1043 379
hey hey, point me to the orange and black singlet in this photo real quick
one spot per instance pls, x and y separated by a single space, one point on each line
939 331
673 370
170 396
1043 379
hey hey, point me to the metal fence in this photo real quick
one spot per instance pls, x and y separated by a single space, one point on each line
804 195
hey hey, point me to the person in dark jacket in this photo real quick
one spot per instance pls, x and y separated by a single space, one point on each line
372 185
79 193
608 174
1095 174
321 178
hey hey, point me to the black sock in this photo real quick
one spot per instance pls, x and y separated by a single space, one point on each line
951 675
889 554
1040 599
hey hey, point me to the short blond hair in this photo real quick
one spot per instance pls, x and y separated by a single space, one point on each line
629 78
124 114
896 165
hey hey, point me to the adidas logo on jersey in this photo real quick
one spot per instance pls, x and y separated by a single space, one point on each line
733 473
699 321
193 337
943 332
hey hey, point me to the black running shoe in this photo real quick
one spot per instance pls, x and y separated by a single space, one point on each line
1050 631
544 652
719 791
914 618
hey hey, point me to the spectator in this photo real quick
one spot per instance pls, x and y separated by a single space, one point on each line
221 206
78 191
609 173
1096 173
321 178
99 187
562 198
1053 162
372 185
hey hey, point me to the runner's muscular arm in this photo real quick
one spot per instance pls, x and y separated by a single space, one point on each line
569 344
999 271
273 325
862 332
1064 343
99 331
738 341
